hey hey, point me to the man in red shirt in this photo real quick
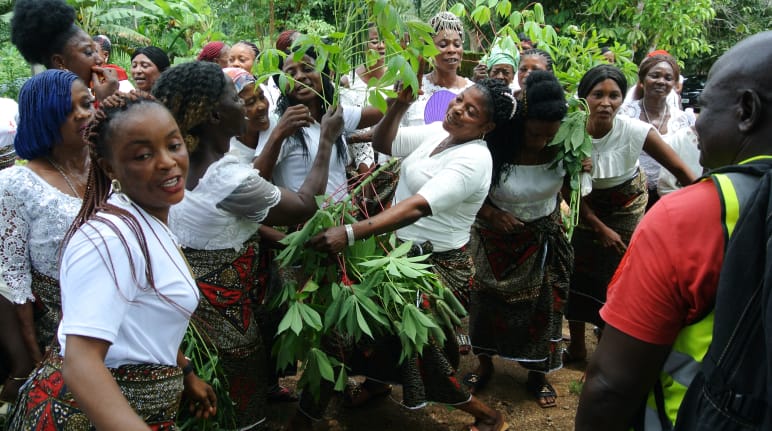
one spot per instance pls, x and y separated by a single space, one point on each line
668 277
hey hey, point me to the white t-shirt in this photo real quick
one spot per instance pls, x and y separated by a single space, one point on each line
293 165
247 154
529 192
225 208
615 156
454 182
103 298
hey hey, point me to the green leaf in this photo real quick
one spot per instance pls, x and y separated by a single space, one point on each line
458 9
310 316
363 326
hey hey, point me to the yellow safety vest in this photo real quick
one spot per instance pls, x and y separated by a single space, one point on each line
689 348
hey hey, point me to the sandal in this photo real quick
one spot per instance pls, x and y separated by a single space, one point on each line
357 395
280 394
464 344
543 392
500 424
476 382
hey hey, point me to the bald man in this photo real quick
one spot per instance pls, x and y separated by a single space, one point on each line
659 309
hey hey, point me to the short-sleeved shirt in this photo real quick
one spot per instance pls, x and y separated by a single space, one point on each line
668 277
225 208
293 164
615 155
454 182
104 297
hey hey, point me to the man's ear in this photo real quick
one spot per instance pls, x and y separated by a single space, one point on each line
750 109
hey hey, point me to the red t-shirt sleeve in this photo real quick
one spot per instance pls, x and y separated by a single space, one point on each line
668 277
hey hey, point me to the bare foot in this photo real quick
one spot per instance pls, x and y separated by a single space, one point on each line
496 423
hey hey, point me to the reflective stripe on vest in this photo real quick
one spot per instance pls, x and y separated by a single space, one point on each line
691 345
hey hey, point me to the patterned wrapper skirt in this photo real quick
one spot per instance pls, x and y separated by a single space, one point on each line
46 404
521 287
426 378
228 281
620 208
47 308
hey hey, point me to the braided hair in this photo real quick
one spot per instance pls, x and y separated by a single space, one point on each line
191 92
45 101
543 100
42 28
95 206
98 188
447 21
328 90
251 46
536 52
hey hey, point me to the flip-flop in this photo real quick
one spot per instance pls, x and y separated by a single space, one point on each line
504 426
542 391
476 382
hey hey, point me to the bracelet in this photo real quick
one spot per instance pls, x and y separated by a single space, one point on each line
187 369
350 234
17 379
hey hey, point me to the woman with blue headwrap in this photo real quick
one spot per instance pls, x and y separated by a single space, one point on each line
38 201
500 64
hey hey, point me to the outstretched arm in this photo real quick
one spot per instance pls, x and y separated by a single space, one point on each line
657 148
402 214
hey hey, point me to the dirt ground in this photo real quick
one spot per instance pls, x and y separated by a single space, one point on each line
505 392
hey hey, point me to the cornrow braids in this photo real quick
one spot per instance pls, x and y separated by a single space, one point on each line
536 52
543 100
447 21
41 28
251 46
45 101
191 92
98 188
328 90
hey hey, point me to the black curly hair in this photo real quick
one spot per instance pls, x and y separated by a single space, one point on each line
543 99
191 92
42 28
328 90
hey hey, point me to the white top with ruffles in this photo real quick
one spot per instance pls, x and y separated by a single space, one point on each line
529 192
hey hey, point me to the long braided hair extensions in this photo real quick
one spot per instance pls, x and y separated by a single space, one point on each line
98 188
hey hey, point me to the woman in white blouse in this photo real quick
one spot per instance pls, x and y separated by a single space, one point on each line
445 176
218 219
657 75
610 213
520 250
38 202
127 293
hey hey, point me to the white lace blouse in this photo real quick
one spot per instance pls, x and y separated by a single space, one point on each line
529 192
34 217
225 208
